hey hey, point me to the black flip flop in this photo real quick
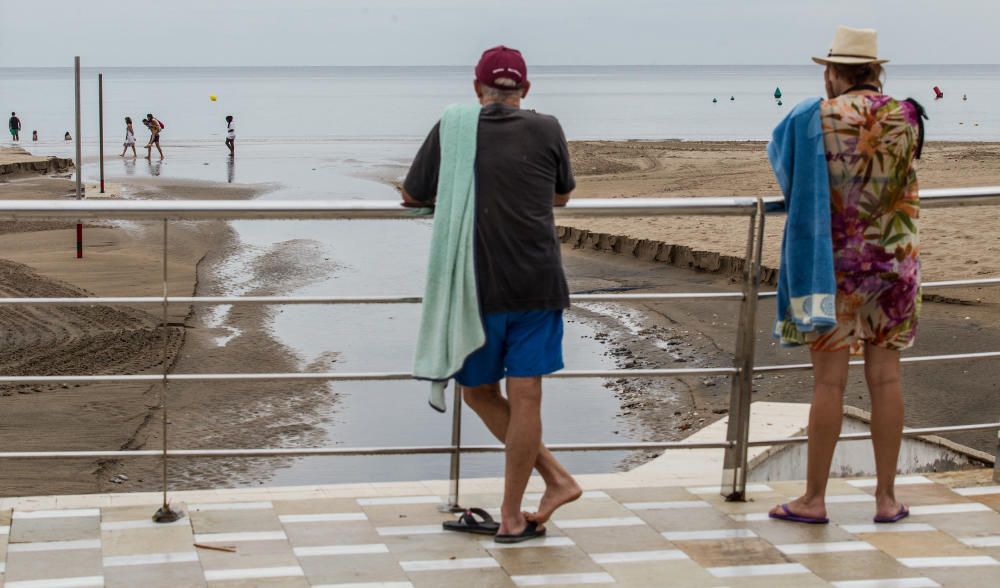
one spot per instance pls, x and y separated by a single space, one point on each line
468 523
531 531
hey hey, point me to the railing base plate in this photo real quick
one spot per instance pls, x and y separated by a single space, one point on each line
167 514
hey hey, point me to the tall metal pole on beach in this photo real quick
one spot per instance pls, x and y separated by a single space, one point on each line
100 122
79 159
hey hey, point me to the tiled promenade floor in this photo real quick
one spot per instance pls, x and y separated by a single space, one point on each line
649 536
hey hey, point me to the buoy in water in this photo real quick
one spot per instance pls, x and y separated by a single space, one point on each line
965 97
212 97
938 94
714 100
777 92
780 102
732 97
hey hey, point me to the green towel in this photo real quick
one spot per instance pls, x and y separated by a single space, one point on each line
451 327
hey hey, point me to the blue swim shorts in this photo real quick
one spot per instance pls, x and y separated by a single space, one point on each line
520 344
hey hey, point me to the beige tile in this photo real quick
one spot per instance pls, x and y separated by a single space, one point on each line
990 500
651 494
249 554
592 509
968 577
143 541
789 581
340 569
676 574
55 529
688 519
234 521
920 544
316 506
611 539
406 514
731 552
40 565
782 532
5 518
488 578
962 524
545 560
759 502
922 494
435 547
861 565
174 575
263 583
127 513
338 533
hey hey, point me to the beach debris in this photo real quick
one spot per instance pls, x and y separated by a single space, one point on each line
714 100
119 478
780 102
732 97
938 94
226 548
213 97
965 97
777 92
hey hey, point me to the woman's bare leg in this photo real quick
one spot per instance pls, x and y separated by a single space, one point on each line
882 371
825 420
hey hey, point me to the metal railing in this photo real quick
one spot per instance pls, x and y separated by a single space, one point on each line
736 445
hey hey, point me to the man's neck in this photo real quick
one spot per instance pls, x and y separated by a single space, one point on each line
512 102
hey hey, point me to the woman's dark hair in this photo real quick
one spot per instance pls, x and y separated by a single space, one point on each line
862 73
229 118
128 119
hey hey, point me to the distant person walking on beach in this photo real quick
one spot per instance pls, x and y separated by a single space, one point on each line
129 138
522 169
231 136
154 126
34 135
850 263
15 126
67 136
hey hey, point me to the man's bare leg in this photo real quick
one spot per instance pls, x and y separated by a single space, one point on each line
494 410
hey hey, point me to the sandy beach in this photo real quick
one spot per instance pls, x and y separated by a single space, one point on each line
36 259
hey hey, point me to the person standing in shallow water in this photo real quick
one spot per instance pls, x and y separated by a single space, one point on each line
522 170
231 136
129 138
14 124
871 142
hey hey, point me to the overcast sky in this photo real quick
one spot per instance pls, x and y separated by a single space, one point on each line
454 32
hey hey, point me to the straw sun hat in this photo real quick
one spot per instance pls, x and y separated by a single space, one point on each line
852 47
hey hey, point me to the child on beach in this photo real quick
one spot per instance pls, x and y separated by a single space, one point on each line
34 135
67 136
129 138
231 136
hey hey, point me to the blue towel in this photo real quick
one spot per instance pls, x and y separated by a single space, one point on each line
451 327
807 287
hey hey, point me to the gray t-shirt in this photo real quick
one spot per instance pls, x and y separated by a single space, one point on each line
522 161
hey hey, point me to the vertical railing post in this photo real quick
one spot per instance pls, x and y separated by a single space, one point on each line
165 514
735 464
100 123
455 471
996 461
79 156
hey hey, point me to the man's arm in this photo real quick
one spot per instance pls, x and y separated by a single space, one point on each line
420 187
411 202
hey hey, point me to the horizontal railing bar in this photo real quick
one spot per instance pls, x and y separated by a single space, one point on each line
348 209
350 377
795 367
577 298
906 433
355 451
926 285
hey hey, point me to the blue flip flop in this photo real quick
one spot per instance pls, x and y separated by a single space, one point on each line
788 515
904 512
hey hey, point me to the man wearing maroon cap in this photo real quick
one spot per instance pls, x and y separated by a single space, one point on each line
522 170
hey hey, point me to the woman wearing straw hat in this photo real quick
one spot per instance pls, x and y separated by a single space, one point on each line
850 275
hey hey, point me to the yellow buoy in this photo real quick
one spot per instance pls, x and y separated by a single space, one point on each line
212 98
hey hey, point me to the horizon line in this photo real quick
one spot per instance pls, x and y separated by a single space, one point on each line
469 65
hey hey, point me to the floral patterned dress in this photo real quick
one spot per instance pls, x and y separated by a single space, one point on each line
871 142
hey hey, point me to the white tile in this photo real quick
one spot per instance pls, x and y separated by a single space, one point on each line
150 559
948 562
397 500
987 541
758 570
709 535
849 498
233 537
563 579
717 489
668 505
900 481
605 522
933 509
543 542
469 563
409 530
78 582
56 514
888 583
358 549
262 505
142 524
751 517
830 547
888 528
638 556
54 545
4 529
253 573
367 585
330 517
3 566
977 490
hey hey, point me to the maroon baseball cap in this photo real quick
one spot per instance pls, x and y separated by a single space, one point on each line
499 64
